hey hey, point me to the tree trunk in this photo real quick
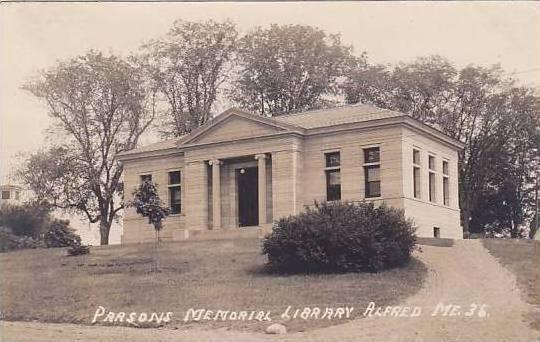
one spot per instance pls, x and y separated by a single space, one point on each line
464 204
465 223
104 229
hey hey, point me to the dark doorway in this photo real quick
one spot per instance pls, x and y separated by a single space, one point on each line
248 200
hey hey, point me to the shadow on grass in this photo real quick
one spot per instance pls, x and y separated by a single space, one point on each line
267 270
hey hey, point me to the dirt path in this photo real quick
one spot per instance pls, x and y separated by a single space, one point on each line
461 275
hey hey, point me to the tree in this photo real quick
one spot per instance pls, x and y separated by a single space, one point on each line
497 120
289 68
147 203
32 225
188 67
30 219
100 105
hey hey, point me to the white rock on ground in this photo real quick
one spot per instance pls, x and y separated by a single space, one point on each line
276 329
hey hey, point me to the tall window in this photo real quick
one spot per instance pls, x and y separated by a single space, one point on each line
175 193
446 183
416 173
147 177
432 183
372 172
5 195
333 176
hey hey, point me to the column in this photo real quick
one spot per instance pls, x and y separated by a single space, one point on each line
286 183
216 193
261 158
196 195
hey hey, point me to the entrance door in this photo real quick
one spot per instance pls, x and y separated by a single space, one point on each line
248 200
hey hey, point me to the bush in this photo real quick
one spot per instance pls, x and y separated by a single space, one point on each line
78 249
31 225
341 237
28 219
60 234
10 241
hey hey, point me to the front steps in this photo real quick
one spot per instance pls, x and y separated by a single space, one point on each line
224 234
202 235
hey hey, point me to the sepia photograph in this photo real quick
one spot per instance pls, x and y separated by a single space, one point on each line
194 171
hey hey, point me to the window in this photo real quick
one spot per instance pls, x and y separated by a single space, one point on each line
446 198
332 159
416 174
416 157
436 232
17 195
416 182
333 176
431 180
431 163
144 178
175 192
373 180
446 184
333 185
371 155
372 172
6 195
432 187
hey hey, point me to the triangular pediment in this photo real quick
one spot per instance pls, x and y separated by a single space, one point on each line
233 125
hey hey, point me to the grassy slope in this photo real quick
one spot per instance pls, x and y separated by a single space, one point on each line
521 257
47 286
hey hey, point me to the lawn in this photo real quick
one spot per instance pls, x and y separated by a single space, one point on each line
521 257
47 286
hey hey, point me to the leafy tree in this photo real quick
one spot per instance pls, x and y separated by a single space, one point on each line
496 119
100 105
32 225
29 219
147 203
289 68
188 67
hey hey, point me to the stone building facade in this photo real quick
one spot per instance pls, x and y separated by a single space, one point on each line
239 172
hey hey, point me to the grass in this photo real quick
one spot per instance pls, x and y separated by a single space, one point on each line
47 286
521 257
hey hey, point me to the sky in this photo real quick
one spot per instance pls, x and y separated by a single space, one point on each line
34 36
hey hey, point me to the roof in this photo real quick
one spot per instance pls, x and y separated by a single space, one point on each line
299 122
337 116
11 187
162 145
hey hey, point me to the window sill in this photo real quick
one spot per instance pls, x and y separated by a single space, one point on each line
176 215
374 198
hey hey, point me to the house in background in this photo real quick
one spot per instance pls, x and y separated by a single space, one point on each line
239 172
11 194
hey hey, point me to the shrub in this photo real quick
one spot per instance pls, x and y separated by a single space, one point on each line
341 237
25 220
78 249
10 241
60 234
31 225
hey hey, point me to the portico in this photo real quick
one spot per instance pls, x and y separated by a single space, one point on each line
232 171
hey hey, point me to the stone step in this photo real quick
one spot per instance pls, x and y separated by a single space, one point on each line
223 234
